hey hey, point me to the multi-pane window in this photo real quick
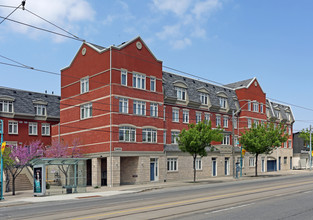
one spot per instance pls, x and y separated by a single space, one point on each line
198 163
127 134
289 130
226 140
251 162
154 109
285 144
149 135
123 105
218 120
32 128
174 136
13 127
40 110
198 117
1 127
185 116
223 102
289 144
172 164
84 85
139 108
181 93
175 115
6 106
256 123
261 108
249 123
86 111
124 77
204 98
225 122
249 105
152 84
139 81
207 117
255 107
45 129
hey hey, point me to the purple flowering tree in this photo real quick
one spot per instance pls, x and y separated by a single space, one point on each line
20 156
63 150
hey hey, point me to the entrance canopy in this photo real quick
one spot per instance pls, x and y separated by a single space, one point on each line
56 161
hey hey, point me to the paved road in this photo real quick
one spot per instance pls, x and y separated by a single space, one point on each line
286 197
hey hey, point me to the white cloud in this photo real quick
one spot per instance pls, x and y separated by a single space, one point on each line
169 32
180 44
205 7
179 7
62 13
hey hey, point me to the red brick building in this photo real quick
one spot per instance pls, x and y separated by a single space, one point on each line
126 112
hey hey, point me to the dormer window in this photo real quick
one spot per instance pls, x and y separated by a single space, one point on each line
6 106
84 85
223 102
40 110
204 98
181 93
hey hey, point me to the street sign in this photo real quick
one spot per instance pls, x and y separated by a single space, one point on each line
243 152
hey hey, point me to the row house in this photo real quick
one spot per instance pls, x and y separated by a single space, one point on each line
27 116
126 113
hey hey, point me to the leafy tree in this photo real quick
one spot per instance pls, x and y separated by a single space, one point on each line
305 135
63 150
7 162
19 158
262 139
196 139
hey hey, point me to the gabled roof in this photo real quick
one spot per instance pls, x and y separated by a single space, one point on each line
101 49
24 101
241 84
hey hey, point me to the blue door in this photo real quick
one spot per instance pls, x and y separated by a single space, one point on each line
152 171
271 165
214 166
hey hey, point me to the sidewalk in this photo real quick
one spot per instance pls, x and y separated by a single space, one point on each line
26 197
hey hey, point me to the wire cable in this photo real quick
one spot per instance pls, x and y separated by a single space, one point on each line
6 18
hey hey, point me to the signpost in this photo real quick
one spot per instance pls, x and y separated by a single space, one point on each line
1 154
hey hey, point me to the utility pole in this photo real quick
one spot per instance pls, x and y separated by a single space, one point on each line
233 147
310 148
1 154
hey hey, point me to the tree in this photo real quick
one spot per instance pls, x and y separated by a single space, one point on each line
261 139
196 139
63 150
305 135
19 158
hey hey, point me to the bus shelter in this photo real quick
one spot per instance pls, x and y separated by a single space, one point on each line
52 176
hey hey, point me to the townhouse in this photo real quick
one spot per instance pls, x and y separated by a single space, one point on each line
126 113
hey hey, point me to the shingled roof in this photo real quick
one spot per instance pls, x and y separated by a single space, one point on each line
23 102
240 84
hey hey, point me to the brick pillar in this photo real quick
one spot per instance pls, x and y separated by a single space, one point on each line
96 171
116 171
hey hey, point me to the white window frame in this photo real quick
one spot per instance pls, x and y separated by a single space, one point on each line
174 136
207 116
204 98
175 115
198 117
185 116
127 134
249 122
154 109
32 128
6 106
251 161
172 164
45 129
40 110
84 85
285 144
249 105
255 107
225 122
86 111
13 127
289 144
152 82
124 74
139 81
139 108
198 163
218 120
223 102
226 140
236 141
181 93
256 123
289 130
149 135
123 105
261 108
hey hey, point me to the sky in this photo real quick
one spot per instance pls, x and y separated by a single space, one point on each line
224 41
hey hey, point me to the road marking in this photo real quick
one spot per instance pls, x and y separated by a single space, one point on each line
230 208
240 193
308 191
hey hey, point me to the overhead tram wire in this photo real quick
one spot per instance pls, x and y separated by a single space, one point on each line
6 18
